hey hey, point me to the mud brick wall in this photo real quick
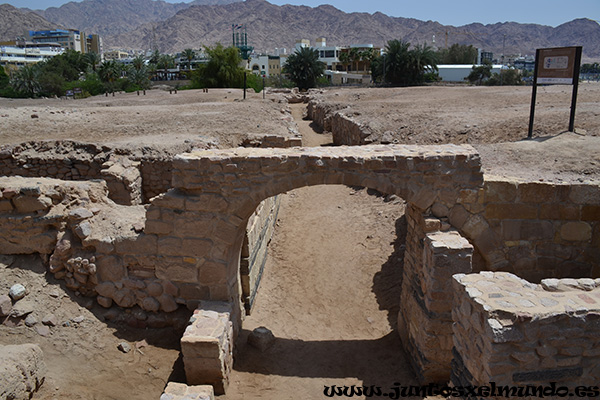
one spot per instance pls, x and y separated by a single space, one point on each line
512 332
261 226
533 229
432 256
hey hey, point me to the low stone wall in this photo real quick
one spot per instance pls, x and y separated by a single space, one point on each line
512 332
533 229
433 254
346 131
261 226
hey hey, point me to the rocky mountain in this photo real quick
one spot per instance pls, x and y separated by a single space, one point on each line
16 22
110 17
270 26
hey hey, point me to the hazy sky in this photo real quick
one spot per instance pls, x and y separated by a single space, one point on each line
455 12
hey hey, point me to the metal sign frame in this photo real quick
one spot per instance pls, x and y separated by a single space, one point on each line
556 66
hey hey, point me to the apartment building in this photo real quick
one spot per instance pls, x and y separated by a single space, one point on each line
68 39
19 52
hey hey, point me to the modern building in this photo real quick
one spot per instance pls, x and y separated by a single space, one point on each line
69 39
459 72
116 55
20 52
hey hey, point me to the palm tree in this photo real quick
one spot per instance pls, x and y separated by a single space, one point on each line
345 59
422 59
354 57
92 59
189 55
304 67
165 62
26 80
396 65
138 63
109 73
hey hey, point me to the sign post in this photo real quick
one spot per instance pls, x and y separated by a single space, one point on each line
556 66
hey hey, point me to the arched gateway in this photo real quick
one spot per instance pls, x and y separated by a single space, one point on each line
214 193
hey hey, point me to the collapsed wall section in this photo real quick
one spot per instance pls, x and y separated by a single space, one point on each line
515 333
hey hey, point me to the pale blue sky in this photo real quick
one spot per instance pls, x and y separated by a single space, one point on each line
447 12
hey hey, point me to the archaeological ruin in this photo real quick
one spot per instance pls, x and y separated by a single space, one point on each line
501 276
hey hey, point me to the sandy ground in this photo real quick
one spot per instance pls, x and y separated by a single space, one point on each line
330 287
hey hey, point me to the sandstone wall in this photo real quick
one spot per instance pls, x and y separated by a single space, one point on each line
261 226
512 332
346 131
533 229
434 252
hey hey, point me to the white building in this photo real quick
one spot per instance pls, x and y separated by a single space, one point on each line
459 72
25 53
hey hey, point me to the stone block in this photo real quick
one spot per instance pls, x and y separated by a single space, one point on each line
585 194
590 213
110 268
180 391
537 192
195 247
559 212
206 347
500 191
576 231
212 273
176 269
28 204
511 211
141 244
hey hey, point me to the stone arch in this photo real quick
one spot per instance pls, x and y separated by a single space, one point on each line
219 190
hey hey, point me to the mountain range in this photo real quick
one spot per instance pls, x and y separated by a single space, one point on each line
145 24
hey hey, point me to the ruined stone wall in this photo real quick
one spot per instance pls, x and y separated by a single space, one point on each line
533 229
512 332
261 226
346 131
434 252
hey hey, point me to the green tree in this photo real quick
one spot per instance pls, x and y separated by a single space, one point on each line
423 59
92 59
458 54
26 80
344 59
480 73
354 55
165 62
304 68
189 55
509 77
222 69
396 62
109 73
4 78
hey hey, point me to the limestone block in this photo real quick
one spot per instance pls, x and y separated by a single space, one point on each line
29 204
180 391
206 346
576 231
22 371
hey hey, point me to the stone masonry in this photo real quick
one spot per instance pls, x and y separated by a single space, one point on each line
512 332
207 346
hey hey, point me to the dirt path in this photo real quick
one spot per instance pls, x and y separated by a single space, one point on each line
329 293
310 138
